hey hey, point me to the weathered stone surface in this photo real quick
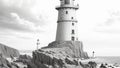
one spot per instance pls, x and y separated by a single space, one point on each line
25 57
8 51
4 63
48 60
71 48
60 55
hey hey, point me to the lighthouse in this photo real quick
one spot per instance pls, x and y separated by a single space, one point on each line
67 22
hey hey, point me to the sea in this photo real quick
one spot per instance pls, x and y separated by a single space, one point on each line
109 59
26 52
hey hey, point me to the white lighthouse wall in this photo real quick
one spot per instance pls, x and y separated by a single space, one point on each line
63 16
67 22
64 31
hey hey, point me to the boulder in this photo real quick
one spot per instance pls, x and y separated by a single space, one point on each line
8 51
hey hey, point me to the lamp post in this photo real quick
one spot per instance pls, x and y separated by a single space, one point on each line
93 54
38 43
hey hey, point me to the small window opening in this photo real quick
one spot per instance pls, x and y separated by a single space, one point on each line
71 17
66 12
73 32
72 24
73 38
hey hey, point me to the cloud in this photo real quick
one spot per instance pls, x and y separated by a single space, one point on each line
14 22
18 15
11 34
111 25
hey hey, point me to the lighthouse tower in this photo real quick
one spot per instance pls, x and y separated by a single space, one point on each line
67 22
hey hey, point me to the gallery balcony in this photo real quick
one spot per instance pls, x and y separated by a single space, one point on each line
67 6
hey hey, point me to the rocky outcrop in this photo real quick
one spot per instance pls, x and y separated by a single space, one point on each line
4 63
71 48
25 57
8 51
45 59
60 55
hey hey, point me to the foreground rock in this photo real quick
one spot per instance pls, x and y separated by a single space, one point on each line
8 51
60 55
4 63
55 55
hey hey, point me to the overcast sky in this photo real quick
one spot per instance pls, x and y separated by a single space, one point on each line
24 21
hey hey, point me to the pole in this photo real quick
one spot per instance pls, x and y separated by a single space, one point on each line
93 54
38 43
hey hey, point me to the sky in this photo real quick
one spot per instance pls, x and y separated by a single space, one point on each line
22 22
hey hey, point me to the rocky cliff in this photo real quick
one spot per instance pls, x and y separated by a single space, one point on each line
60 55
8 51
70 48
45 59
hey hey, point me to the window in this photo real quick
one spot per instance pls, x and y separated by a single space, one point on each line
71 17
72 24
67 1
66 12
72 38
73 32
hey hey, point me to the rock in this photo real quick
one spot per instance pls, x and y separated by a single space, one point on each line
60 55
92 64
4 63
45 60
85 55
8 51
51 59
71 48
31 64
68 61
25 57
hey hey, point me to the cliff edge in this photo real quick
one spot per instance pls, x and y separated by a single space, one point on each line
73 49
8 51
65 54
